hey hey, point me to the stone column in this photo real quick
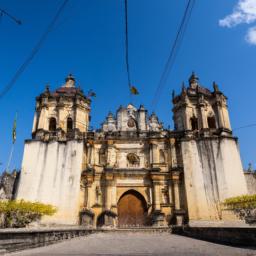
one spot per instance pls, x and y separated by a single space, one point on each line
176 184
113 195
42 120
89 155
203 123
158 218
154 159
88 198
35 122
96 156
156 194
173 153
220 115
108 191
150 196
186 119
170 190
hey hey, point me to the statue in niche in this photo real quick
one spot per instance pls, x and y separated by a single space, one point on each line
111 159
133 160
98 194
102 156
165 195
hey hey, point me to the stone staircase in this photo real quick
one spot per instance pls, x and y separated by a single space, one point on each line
143 230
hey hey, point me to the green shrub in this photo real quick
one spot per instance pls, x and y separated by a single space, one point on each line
20 213
241 202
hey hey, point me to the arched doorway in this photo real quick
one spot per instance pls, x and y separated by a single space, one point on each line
132 209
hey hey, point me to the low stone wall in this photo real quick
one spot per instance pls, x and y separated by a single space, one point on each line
238 236
19 239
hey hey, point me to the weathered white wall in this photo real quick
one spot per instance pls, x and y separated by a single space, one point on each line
213 171
51 174
250 178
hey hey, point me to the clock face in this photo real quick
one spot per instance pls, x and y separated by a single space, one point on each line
131 123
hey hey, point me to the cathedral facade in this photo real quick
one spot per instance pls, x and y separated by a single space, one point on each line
132 171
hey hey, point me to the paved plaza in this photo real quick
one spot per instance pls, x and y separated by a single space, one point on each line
139 244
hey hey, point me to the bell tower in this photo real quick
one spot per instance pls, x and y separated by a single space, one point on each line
209 153
64 110
197 109
53 158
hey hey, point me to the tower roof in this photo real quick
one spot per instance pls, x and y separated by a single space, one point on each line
68 89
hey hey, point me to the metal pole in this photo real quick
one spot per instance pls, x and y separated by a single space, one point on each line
10 158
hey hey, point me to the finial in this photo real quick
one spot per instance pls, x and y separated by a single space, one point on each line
47 88
183 88
215 87
69 77
70 81
193 80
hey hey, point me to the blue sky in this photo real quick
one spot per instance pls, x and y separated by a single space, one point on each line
88 41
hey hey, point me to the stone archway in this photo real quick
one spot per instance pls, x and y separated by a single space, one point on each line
132 209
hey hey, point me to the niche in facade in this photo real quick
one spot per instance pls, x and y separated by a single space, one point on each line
133 160
194 123
52 124
211 122
102 156
161 156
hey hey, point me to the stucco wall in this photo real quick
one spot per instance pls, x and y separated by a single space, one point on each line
51 174
213 171
251 182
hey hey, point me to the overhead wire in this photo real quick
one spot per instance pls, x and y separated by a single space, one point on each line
174 50
245 126
34 51
127 48
2 12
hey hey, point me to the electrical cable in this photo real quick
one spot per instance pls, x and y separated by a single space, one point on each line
127 51
245 126
34 51
10 16
174 50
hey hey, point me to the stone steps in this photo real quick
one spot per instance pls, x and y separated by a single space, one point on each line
142 229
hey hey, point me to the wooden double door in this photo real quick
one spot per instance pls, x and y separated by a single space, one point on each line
132 210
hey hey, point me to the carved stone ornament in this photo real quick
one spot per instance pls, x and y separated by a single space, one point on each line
133 158
131 123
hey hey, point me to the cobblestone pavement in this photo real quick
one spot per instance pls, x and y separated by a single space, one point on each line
139 244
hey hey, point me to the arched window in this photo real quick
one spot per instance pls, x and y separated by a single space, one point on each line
52 124
69 124
194 123
211 122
